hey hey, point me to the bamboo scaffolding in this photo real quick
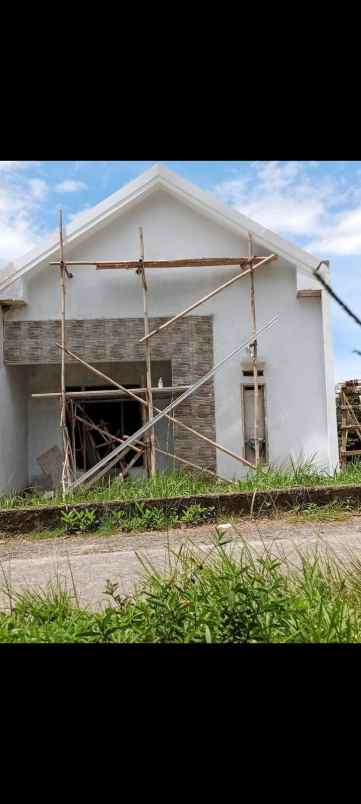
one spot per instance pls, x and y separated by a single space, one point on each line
210 295
101 467
200 262
140 451
149 444
254 351
143 402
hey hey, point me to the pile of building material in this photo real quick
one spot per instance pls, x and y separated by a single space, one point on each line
348 407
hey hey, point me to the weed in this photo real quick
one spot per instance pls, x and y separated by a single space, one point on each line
218 596
74 520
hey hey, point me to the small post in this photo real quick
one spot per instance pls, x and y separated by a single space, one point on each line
150 446
254 350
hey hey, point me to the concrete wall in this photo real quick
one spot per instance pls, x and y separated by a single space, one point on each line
293 351
13 424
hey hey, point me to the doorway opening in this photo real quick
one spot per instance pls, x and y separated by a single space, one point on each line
114 417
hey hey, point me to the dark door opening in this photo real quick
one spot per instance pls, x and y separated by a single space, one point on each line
116 417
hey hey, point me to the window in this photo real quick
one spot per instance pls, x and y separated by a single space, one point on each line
248 423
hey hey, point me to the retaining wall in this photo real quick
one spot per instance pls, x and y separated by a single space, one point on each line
242 503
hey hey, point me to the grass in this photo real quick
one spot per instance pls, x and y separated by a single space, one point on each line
311 512
173 484
214 597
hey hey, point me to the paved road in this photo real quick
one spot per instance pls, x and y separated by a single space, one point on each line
93 560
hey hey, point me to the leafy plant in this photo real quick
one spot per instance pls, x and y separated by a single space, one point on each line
82 520
194 514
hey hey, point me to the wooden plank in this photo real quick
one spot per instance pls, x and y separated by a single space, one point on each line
13 303
143 430
196 262
210 295
51 463
308 294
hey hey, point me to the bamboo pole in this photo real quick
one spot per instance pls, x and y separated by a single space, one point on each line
198 262
65 476
150 453
254 351
142 430
166 391
193 465
228 284
143 402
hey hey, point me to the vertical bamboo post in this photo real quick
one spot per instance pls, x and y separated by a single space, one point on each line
65 478
254 350
150 450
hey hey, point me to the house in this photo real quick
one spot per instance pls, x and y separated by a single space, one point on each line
104 324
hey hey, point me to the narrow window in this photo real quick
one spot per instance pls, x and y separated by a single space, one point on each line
248 423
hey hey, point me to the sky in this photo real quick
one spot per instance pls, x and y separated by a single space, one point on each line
316 205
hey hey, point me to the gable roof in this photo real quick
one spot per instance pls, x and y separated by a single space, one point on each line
156 177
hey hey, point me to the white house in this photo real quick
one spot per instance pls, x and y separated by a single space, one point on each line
104 312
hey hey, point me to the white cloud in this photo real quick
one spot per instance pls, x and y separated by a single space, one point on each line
281 196
19 204
342 237
70 186
39 189
324 211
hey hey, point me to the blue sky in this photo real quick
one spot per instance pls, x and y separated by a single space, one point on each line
314 204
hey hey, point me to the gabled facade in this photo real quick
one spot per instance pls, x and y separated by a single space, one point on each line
105 323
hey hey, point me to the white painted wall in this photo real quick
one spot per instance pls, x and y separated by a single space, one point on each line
13 424
297 407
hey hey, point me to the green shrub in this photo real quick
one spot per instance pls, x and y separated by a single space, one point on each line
83 520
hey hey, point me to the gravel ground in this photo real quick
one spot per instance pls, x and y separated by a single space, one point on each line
92 560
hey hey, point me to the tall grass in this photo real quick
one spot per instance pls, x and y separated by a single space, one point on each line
173 484
214 595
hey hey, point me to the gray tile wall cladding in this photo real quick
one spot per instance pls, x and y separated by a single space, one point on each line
188 344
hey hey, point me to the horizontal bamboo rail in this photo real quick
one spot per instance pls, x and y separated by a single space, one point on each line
112 394
201 262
